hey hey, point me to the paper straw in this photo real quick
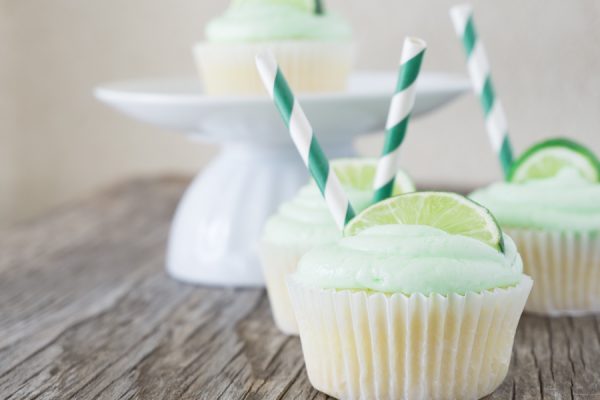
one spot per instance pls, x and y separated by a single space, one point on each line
319 9
398 117
304 139
479 70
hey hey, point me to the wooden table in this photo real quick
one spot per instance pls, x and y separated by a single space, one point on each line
87 311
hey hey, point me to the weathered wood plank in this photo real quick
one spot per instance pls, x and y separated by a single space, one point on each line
89 313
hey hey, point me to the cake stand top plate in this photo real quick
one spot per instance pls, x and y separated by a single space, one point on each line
179 104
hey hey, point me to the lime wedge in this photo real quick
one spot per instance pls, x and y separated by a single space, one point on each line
359 173
546 159
449 212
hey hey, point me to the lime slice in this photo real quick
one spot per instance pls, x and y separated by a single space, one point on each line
546 159
359 173
449 212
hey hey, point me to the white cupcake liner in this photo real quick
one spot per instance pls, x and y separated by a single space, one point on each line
360 345
565 267
278 262
309 66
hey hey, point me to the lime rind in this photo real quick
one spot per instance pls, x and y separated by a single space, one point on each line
501 246
449 212
546 159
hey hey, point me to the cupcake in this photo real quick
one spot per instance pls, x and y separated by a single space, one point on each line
419 300
550 206
313 46
305 222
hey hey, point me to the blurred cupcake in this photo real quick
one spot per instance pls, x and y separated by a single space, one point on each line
550 206
420 300
313 46
305 222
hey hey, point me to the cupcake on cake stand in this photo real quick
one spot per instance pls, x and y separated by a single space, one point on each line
219 220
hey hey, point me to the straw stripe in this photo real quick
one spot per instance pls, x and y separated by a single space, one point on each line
298 125
496 126
469 37
487 96
506 154
304 139
319 9
478 67
401 107
479 70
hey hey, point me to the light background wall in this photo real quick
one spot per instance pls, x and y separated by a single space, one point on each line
57 143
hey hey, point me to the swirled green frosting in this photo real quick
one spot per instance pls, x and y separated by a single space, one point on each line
565 202
265 20
306 221
410 259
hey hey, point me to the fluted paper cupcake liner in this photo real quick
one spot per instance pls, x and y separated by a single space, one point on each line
309 66
278 262
565 267
361 345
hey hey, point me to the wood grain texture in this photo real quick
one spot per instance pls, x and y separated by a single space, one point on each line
87 312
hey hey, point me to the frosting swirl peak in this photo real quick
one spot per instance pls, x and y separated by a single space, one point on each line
566 201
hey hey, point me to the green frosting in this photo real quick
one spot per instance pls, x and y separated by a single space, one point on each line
410 259
565 202
305 221
265 20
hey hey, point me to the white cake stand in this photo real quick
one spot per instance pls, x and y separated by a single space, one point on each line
219 220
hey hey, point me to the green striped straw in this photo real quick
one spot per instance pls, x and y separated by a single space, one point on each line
304 139
401 107
479 70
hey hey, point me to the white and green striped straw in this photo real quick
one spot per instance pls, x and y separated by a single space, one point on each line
304 139
398 117
479 70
